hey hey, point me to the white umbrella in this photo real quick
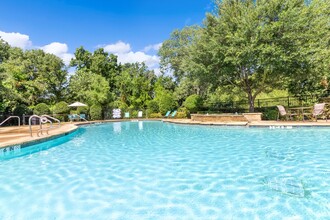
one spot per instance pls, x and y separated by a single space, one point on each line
77 104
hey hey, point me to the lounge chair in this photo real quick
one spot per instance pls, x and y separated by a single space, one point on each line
283 113
167 114
126 115
82 116
71 117
116 113
173 114
140 113
319 111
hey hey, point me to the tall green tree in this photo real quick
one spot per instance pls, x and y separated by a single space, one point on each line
135 85
89 87
98 62
257 46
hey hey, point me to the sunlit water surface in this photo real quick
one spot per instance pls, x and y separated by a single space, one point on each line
155 170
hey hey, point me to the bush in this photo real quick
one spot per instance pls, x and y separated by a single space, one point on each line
134 114
82 110
181 115
61 108
96 112
22 109
166 103
193 103
152 107
183 112
155 115
41 109
269 113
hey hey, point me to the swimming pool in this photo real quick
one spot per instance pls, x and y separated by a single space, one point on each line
155 170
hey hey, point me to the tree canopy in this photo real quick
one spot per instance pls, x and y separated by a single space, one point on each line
244 49
255 46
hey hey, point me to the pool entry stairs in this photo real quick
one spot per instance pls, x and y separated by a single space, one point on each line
43 120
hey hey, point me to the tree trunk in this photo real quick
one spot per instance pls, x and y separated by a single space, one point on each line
251 102
248 89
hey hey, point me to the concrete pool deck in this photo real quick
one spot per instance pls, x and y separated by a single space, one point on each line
15 135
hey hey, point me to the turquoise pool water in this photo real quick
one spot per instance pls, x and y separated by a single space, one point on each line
154 170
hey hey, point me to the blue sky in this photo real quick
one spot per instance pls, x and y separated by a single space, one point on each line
132 27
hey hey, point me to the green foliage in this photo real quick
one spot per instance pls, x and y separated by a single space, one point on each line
269 113
135 85
22 109
61 108
89 87
82 110
193 103
134 114
4 50
255 46
95 112
152 106
181 115
41 109
166 102
183 112
155 115
164 98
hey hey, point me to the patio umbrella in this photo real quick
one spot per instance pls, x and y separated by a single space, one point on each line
77 104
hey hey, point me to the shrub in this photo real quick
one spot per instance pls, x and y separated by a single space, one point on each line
181 115
268 113
41 109
155 115
22 109
95 112
61 108
152 107
166 103
134 114
183 112
193 103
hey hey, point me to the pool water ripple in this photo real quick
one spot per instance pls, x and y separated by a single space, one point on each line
154 170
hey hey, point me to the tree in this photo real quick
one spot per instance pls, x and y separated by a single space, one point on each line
135 85
255 46
89 87
55 76
164 97
4 50
174 50
98 62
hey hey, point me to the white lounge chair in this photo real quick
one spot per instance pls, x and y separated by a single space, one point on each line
283 113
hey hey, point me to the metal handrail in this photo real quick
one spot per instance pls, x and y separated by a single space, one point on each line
41 120
14 116
82 118
55 119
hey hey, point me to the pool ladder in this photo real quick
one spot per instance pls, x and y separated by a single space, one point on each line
43 119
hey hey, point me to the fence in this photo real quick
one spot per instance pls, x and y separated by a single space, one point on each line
243 106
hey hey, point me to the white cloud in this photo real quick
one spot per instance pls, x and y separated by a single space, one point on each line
133 57
23 41
60 50
126 55
16 39
119 47
154 47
